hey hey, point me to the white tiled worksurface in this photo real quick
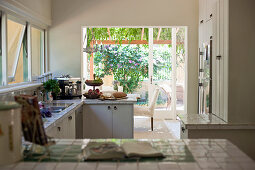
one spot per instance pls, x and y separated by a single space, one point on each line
208 154
63 114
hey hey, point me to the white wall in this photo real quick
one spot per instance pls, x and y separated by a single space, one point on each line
241 99
69 16
34 11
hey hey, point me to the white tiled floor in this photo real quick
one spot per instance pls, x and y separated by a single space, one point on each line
142 129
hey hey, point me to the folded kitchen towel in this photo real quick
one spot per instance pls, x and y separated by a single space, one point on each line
111 151
140 149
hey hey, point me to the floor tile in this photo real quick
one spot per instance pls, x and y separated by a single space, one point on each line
66 166
25 165
189 166
208 165
127 166
86 166
148 166
168 165
229 166
45 166
107 166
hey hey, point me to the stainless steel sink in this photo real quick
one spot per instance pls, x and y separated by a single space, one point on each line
56 107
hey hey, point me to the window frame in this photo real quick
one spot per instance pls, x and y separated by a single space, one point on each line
4 16
18 50
43 45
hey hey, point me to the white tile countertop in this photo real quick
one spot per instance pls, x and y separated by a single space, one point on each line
119 101
73 105
216 154
209 121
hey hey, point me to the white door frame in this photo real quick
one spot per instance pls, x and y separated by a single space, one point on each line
173 104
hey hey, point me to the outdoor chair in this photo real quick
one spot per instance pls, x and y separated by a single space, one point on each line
147 111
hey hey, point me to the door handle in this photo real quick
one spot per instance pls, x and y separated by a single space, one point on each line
115 108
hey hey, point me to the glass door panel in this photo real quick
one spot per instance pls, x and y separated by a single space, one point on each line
162 74
162 70
180 69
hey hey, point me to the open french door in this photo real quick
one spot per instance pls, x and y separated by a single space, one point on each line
167 85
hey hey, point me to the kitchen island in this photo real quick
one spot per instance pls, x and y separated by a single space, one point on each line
186 154
194 126
91 118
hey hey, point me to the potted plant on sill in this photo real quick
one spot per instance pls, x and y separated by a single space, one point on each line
53 87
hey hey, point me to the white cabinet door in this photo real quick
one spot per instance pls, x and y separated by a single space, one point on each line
59 130
202 11
123 120
210 6
97 121
79 123
52 132
71 126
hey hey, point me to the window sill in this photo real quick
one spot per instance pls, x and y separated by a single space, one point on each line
17 87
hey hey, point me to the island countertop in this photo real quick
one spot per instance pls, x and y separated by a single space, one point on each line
117 101
186 154
209 121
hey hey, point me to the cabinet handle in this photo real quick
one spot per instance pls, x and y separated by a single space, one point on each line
115 108
202 21
218 57
183 129
211 16
109 107
59 129
70 117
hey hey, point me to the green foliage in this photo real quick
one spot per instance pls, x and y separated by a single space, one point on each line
129 65
51 86
117 34
165 33
162 64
